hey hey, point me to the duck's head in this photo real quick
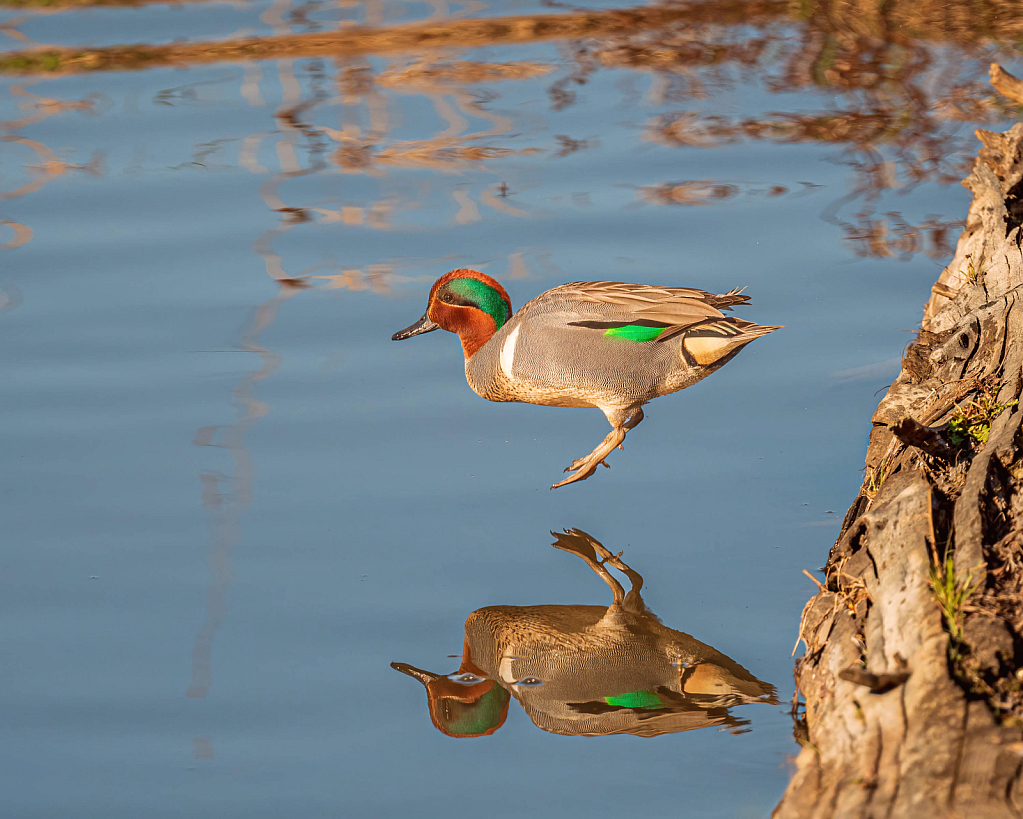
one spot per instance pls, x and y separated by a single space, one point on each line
463 704
467 303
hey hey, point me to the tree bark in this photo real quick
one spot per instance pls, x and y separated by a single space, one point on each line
912 710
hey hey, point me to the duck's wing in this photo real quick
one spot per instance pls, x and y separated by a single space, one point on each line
677 308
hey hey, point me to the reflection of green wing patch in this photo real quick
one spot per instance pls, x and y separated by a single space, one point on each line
636 699
635 332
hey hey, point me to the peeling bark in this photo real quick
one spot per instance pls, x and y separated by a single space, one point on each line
911 711
1006 84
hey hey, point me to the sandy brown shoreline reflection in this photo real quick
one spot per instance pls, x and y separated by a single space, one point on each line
358 40
587 670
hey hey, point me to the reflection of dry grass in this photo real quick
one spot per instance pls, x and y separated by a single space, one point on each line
43 107
22 234
444 83
393 39
841 127
226 497
60 4
360 156
962 20
897 105
375 279
846 34
894 237
681 49
49 166
463 73
889 94
435 154
922 151
696 192
693 192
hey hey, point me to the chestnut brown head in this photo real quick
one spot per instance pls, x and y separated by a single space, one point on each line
465 302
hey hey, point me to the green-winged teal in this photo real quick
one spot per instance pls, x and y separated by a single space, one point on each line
587 670
609 345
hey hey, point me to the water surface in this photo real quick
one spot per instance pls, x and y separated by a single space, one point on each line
231 502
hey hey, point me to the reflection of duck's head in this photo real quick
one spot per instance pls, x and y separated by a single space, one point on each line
461 704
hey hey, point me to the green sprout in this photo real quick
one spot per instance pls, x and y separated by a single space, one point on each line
972 274
972 421
877 476
951 594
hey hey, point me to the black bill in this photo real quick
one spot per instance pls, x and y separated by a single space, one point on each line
424 325
425 677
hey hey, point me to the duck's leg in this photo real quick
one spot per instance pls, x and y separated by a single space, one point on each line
633 601
583 545
621 422
615 560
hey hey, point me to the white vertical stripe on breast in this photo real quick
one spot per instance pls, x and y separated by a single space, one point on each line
508 352
504 670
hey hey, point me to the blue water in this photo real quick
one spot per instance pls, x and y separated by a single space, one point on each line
231 503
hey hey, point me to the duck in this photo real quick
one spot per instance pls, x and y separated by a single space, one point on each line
613 346
583 670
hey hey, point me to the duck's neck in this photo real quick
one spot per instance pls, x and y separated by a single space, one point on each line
468 665
474 337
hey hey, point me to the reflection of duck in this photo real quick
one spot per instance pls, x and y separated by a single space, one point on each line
609 345
587 670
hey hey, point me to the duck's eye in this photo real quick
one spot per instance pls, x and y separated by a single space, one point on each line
465 679
455 299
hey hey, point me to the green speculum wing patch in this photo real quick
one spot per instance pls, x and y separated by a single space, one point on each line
483 296
635 332
636 699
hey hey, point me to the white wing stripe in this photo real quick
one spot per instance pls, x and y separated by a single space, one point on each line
508 352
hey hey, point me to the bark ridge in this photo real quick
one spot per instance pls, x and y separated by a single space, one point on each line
912 710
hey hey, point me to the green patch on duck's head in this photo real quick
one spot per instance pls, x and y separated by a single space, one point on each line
463 704
471 719
470 288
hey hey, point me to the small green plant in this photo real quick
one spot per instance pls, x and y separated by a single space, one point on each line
973 420
972 274
876 478
951 594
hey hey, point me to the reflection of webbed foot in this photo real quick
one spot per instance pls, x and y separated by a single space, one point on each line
582 468
597 557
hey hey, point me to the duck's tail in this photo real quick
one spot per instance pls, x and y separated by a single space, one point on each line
726 301
715 343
